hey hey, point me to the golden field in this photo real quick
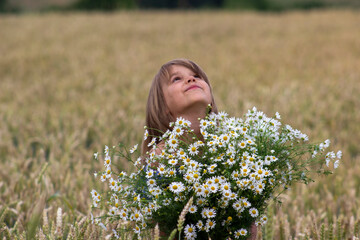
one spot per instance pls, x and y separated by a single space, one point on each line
71 83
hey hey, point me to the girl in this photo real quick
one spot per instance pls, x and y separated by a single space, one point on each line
180 89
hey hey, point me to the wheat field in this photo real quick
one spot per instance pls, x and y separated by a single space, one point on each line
71 83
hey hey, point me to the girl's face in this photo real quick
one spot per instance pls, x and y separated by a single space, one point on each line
185 92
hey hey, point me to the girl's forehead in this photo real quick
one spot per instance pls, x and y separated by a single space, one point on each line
179 68
168 71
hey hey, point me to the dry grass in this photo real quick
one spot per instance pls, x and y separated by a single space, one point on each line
71 83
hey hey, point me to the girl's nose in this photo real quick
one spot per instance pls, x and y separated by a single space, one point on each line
191 79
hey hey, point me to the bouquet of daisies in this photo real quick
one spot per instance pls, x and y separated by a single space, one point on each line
219 185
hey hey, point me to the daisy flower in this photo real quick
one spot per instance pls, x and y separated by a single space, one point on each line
192 209
213 187
204 123
153 141
171 172
178 131
136 230
235 175
181 153
189 177
173 142
329 156
217 180
106 150
199 191
137 216
254 212
237 205
200 201
181 122
225 187
149 173
267 160
113 184
190 231
212 168
103 177
231 161
151 182
211 213
193 149
166 201
243 130
263 219
204 213
146 134
240 232
107 161
113 211
94 193
196 176
250 142
245 203
173 162
211 143
210 224
244 171
161 169
200 225
133 149
242 145
177 187
260 172
225 138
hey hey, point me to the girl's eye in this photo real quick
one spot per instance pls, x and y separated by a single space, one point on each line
196 76
176 79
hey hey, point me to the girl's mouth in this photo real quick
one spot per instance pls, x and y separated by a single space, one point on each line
192 87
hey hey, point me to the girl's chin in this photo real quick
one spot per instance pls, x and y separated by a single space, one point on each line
199 99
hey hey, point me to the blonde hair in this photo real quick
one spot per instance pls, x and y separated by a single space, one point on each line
157 116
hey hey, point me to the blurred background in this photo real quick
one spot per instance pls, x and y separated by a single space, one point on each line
112 5
75 75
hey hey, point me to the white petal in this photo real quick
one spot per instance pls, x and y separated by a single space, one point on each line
327 161
339 154
103 226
